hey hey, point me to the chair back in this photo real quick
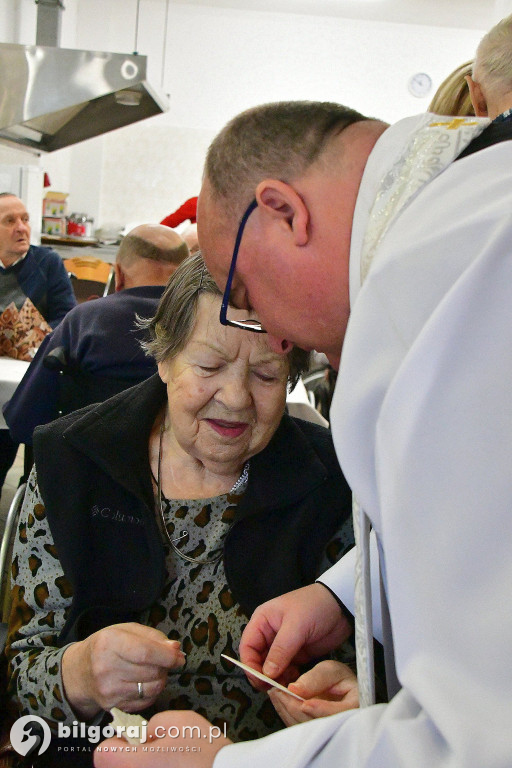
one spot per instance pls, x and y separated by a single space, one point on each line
79 388
90 277
6 551
320 386
8 756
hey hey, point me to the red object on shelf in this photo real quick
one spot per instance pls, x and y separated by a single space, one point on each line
74 228
77 224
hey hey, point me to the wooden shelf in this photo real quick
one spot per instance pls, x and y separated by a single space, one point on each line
67 240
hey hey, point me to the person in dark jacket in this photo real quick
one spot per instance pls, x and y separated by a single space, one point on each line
99 338
176 508
28 271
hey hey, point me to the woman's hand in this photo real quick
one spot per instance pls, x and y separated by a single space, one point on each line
102 671
329 687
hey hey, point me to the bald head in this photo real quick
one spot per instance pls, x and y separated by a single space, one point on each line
148 255
190 237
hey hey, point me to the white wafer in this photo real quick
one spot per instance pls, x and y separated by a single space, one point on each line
126 720
262 677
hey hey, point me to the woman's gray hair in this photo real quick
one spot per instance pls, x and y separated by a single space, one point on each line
171 327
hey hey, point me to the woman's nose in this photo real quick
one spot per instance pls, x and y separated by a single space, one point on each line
235 392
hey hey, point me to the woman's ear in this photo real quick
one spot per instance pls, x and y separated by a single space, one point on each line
162 371
280 201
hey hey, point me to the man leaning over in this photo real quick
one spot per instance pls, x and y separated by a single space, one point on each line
349 218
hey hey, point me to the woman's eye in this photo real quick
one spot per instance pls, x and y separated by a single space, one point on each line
209 368
266 376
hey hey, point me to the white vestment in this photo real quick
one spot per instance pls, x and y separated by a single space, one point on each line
422 423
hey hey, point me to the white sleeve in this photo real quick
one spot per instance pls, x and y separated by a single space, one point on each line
340 580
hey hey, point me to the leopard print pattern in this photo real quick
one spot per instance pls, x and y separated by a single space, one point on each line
41 600
196 607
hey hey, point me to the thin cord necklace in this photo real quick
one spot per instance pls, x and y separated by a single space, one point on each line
240 483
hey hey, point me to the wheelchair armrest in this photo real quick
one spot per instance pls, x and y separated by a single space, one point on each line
56 360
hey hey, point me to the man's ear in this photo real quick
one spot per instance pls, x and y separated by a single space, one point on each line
118 276
280 201
478 99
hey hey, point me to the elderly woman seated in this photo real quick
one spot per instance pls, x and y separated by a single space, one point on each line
156 522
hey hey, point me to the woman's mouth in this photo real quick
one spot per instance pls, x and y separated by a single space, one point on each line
227 428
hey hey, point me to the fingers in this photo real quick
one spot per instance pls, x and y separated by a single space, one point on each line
328 688
142 646
126 654
288 708
103 671
326 677
271 639
298 626
126 693
292 711
322 708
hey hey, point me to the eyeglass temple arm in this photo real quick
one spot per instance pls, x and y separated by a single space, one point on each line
227 290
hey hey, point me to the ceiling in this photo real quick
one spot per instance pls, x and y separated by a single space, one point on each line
470 14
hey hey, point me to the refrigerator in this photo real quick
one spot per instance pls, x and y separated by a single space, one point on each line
27 183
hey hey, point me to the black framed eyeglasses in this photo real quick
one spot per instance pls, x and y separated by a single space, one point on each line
247 325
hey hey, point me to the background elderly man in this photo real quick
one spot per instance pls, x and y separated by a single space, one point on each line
386 225
491 83
99 337
28 271
490 86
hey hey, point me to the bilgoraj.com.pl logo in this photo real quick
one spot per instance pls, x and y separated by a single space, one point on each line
30 735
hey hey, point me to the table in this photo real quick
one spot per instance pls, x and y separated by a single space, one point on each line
11 373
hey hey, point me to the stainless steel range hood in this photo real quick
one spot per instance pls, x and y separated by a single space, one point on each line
53 97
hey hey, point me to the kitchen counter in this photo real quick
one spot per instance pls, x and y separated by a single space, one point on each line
68 248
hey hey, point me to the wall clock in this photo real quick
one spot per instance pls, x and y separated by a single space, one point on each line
420 84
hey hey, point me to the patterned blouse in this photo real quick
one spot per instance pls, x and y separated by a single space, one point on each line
196 607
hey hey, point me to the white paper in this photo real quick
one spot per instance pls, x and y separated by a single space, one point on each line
262 677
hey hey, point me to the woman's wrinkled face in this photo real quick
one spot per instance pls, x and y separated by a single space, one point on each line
226 391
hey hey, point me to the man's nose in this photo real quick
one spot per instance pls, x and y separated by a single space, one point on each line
279 346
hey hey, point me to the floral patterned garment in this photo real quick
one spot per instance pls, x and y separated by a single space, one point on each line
196 607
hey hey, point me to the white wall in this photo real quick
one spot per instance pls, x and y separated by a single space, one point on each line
502 8
218 62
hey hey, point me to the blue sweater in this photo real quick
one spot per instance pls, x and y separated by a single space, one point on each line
41 276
